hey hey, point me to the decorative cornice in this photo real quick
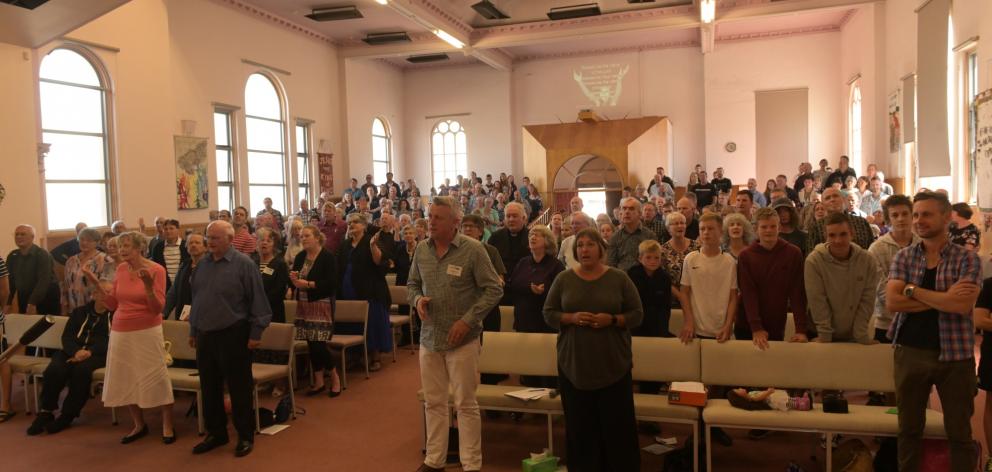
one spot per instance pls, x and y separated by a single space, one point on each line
847 17
603 52
609 18
724 4
778 34
451 19
276 19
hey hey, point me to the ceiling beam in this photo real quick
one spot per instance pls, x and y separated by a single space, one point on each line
430 46
496 58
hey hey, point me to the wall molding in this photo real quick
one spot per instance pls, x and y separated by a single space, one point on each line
605 19
601 52
280 21
778 34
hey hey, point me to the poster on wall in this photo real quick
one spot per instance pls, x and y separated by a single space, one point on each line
191 173
983 158
602 84
895 130
325 172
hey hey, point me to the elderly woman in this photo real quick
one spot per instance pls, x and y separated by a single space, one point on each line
275 272
363 261
674 251
293 243
244 241
738 233
179 298
77 290
594 307
314 276
137 376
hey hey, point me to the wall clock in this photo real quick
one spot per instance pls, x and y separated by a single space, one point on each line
730 147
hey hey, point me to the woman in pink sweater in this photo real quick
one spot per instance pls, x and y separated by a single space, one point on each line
137 375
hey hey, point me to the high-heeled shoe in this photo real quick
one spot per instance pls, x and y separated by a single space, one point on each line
135 436
169 439
333 394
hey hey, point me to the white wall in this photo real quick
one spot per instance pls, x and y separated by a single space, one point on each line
859 51
175 59
373 89
734 71
478 90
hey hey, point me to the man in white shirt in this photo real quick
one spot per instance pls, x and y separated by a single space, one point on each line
579 222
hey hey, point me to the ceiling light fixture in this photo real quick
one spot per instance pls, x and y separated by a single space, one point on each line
382 2
707 11
487 10
427 58
448 38
574 11
376 39
335 13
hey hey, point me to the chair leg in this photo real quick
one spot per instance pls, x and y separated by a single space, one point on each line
37 395
366 346
709 450
413 342
394 342
292 399
551 439
344 368
695 446
27 395
254 402
199 413
830 451
113 415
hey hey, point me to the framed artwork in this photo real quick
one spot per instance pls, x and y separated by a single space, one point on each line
192 187
325 172
983 153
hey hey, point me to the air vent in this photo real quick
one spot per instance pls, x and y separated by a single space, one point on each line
349 12
376 39
489 11
574 11
29 4
427 58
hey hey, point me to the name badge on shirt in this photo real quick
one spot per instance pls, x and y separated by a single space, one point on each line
268 271
454 270
184 313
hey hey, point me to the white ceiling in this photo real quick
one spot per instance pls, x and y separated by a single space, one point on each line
33 28
377 18
526 11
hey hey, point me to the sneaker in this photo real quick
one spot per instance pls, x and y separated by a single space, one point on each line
721 437
757 434
60 423
40 422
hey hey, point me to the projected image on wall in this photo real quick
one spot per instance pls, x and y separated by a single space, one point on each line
601 84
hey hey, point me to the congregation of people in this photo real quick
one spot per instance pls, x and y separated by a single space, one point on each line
842 256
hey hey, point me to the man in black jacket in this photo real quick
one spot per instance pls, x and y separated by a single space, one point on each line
84 349
511 239
170 252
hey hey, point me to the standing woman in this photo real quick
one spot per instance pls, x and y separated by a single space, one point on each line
77 290
294 229
737 234
179 298
313 275
136 372
244 242
673 252
528 287
275 272
594 307
363 265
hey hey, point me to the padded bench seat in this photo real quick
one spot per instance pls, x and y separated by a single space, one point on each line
181 378
657 406
862 419
493 397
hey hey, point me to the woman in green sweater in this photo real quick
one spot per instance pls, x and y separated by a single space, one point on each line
593 307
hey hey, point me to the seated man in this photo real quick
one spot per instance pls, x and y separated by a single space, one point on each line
84 349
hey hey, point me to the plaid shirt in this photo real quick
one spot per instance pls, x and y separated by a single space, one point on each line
957 330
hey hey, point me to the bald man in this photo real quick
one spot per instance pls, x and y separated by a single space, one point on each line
836 202
32 278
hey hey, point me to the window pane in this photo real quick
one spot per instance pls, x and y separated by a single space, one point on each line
378 128
460 146
264 135
301 139
69 204
221 133
442 127
462 164
74 157
380 151
449 143
69 108
302 170
223 165
264 169
224 200
455 126
261 98
258 193
68 66
379 171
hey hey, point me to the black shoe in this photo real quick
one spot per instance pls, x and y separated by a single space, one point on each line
721 437
332 393
136 436
40 423
316 391
60 423
208 444
243 448
169 439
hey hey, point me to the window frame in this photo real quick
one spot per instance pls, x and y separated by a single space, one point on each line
304 153
970 91
387 136
283 120
108 135
232 157
855 135
445 172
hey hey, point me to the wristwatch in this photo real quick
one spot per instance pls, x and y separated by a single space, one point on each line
908 291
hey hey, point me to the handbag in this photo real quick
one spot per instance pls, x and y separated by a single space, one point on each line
167 346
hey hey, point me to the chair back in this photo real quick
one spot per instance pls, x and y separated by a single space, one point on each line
278 337
352 311
399 295
177 332
16 325
665 360
506 318
519 353
290 310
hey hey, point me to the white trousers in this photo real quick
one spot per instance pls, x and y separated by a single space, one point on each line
457 369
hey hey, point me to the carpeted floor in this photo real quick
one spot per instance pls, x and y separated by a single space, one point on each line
375 425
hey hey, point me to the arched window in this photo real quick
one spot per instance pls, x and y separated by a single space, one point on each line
381 151
854 127
74 121
264 129
450 151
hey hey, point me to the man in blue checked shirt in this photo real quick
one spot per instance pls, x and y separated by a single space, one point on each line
932 288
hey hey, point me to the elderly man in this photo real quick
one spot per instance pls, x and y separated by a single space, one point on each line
650 220
756 195
687 207
118 227
64 251
229 313
277 218
453 286
580 221
32 278
835 202
333 227
623 250
511 240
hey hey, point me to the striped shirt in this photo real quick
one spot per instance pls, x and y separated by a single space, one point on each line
957 330
173 256
462 285
244 241
3 274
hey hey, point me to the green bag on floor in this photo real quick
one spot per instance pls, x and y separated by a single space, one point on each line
543 464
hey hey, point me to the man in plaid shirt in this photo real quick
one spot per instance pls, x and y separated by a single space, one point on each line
932 288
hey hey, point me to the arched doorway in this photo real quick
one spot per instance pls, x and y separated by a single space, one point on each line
593 178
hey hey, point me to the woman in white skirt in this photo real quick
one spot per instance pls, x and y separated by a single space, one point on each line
137 376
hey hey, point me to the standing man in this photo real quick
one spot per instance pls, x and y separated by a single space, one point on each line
722 184
872 200
687 207
782 184
770 276
745 204
834 202
649 218
32 277
332 227
276 214
757 197
841 174
580 221
623 250
453 287
841 279
933 286
64 251
229 313
705 191
511 239
898 211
